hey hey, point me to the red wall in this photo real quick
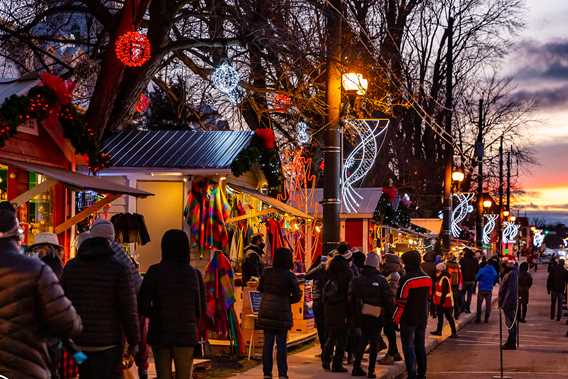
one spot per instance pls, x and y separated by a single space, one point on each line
354 233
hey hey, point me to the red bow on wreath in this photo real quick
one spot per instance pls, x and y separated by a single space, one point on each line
266 135
62 88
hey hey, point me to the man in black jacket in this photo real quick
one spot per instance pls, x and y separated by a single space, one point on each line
102 290
469 267
556 285
412 314
34 307
370 296
252 264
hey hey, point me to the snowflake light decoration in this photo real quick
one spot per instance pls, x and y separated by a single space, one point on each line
488 228
460 212
225 79
302 133
360 161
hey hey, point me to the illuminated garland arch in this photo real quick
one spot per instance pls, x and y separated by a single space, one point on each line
489 227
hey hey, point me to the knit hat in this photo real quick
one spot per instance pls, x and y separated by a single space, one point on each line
373 260
411 259
82 238
46 238
441 267
102 228
9 226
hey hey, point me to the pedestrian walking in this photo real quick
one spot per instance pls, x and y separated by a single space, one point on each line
392 269
486 278
556 285
443 300
317 274
412 314
252 264
525 283
508 301
172 297
101 288
469 267
280 289
336 308
34 307
456 277
354 332
370 296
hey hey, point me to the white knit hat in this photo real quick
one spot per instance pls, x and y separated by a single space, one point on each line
102 228
373 260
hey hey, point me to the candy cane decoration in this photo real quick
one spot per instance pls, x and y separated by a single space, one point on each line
460 212
488 228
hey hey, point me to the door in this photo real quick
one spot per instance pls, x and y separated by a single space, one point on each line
162 212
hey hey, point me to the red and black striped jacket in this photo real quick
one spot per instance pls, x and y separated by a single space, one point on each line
414 291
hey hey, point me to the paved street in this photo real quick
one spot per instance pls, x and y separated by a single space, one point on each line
542 354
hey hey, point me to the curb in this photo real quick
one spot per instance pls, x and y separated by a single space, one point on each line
398 370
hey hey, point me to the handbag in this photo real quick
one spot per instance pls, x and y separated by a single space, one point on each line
371 310
129 370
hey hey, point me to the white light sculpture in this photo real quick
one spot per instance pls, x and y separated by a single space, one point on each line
510 232
488 228
225 78
538 238
361 159
302 133
460 212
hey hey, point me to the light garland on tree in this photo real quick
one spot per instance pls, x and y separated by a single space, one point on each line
488 228
460 212
360 161
133 49
302 134
510 232
225 79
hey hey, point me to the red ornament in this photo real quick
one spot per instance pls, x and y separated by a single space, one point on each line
142 104
133 49
267 137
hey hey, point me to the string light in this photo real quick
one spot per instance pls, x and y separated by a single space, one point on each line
460 212
225 78
488 228
360 161
133 49
302 133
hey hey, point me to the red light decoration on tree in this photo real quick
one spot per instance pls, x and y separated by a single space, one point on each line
142 104
282 102
133 49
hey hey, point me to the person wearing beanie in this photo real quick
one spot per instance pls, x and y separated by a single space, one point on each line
411 314
34 307
508 301
443 300
370 296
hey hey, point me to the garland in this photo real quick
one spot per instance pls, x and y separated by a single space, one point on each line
262 151
385 214
51 103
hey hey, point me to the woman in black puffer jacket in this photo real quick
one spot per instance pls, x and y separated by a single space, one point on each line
280 289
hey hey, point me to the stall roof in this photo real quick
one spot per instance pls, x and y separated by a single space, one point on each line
178 149
272 202
79 181
16 87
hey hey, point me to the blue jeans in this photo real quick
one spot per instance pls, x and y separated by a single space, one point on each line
281 352
414 348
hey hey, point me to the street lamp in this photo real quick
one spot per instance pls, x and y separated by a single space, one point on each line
458 175
354 82
506 213
512 219
487 203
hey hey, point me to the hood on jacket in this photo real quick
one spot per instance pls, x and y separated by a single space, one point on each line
95 248
283 258
175 246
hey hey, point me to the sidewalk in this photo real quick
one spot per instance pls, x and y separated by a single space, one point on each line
305 365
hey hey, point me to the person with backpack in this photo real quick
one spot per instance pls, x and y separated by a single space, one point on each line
336 308
525 283
370 296
443 300
486 278
455 272
412 314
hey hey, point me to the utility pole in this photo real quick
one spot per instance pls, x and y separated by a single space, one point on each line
332 141
449 157
500 224
509 180
479 153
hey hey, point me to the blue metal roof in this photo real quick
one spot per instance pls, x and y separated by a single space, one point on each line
181 149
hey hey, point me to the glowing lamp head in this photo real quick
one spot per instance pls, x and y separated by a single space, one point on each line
354 82
487 203
458 175
506 213
512 219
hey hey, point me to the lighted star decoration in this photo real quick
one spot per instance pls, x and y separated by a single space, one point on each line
225 79
360 161
460 212
510 232
488 228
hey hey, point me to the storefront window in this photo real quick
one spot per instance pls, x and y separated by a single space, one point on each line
39 208
3 183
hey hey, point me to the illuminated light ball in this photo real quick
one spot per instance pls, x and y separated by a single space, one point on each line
281 102
303 136
225 78
133 49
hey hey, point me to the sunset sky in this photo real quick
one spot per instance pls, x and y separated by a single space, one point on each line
540 69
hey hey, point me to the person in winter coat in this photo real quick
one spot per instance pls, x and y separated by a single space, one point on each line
412 314
428 265
252 264
456 276
469 267
317 274
508 301
370 296
172 297
525 283
486 279
34 307
280 289
336 308
392 269
46 246
443 300
102 290
556 285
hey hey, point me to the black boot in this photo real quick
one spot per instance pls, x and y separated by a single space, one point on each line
358 371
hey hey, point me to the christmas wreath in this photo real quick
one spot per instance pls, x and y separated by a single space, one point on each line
51 103
261 151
